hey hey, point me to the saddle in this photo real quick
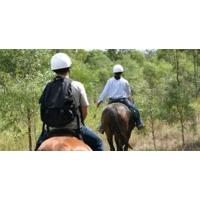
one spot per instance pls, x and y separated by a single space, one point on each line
64 132
121 100
46 134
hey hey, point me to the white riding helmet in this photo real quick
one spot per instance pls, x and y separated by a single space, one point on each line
60 61
118 68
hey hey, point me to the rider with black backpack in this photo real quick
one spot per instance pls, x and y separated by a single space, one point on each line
64 106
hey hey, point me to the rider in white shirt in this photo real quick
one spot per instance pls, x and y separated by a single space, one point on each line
117 89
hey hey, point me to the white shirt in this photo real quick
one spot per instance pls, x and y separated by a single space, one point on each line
115 89
81 100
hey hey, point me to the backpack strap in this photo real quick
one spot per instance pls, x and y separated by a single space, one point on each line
78 108
82 121
41 102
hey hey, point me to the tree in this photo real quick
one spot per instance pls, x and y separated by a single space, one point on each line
178 91
22 87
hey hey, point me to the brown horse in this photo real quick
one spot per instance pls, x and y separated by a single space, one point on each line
117 121
64 143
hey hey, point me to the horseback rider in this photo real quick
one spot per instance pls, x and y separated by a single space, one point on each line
61 65
118 90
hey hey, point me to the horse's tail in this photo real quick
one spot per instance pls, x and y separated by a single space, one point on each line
116 129
130 146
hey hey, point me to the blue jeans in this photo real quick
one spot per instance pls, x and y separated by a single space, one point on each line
89 137
92 139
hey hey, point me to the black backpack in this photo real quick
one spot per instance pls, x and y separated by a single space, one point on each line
57 103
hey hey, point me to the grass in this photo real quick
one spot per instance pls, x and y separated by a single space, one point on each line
168 138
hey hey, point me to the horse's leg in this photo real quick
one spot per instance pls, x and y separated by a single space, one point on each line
110 141
119 144
128 135
131 127
125 147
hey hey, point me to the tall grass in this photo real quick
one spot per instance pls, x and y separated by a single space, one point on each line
168 137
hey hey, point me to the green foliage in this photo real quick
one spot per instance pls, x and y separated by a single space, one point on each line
165 85
98 59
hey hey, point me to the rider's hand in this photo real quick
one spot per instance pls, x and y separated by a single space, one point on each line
98 104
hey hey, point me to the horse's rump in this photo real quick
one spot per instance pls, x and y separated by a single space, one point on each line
64 143
116 121
114 115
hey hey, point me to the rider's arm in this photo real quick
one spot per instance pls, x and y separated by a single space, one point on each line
84 110
83 101
98 103
104 94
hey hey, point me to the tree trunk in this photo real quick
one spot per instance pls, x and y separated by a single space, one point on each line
153 131
29 129
34 129
182 125
177 68
182 131
195 62
179 108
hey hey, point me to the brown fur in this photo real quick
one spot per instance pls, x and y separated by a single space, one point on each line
64 143
117 122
